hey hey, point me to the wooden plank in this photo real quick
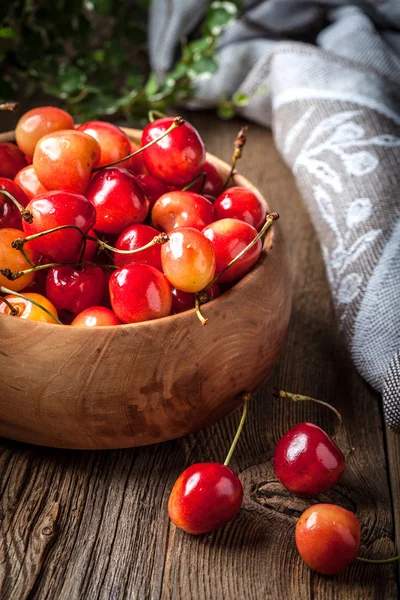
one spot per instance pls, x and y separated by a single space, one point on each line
94 524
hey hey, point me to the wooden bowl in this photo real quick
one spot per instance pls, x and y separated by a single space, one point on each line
143 383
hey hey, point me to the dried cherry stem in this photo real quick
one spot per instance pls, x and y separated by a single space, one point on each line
5 290
10 106
195 180
271 217
177 122
299 397
246 398
202 319
238 145
162 238
382 561
155 114
19 243
12 308
26 257
13 275
26 215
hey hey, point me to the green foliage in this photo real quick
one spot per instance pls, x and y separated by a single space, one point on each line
91 55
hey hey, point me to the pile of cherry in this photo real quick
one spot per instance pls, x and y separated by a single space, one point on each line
307 462
99 230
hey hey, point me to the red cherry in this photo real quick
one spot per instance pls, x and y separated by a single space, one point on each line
27 179
91 248
152 188
188 260
213 184
64 160
307 461
177 158
182 209
135 237
205 496
228 238
118 199
9 213
37 123
183 301
136 164
243 204
139 293
74 289
114 143
12 160
55 209
95 316
328 538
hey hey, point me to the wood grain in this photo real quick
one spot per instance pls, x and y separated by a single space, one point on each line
144 383
110 537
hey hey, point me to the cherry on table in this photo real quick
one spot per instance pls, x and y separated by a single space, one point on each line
38 122
176 159
182 209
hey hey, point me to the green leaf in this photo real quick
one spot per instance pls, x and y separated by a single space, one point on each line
7 33
219 15
240 99
226 110
70 80
151 86
203 68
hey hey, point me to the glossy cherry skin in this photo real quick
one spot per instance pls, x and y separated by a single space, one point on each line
114 143
54 209
243 204
188 260
182 209
183 301
136 164
27 179
12 160
213 184
37 123
205 497
152 187
27 310
95 316
328 538
9 213
64 160
307 461
135 237
139 293
13 259
118 199
75 290
228 238
178 157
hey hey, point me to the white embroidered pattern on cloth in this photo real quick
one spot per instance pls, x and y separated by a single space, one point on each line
341 136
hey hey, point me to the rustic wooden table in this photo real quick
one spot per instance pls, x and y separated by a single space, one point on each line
87 525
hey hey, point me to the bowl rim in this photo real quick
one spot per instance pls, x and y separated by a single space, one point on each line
9 136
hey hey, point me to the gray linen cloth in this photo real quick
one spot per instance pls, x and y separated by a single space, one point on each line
334 108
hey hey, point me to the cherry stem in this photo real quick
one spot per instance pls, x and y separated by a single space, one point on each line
246 397
162 238
12 308
10 106
18 243
155 114
13 275
202 176
26 215
238 145
271 217
177 122
26 257
299 397
5 290
378 561
202 319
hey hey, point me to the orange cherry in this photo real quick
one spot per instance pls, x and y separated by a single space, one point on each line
13 259
114 143
95 316
27 310
27 180
37 123
64 160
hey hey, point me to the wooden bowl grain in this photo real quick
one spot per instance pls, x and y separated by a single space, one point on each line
144 383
